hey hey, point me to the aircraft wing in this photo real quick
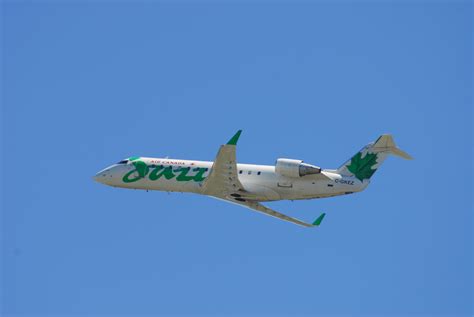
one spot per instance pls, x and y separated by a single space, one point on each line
223 183
223 180
268 211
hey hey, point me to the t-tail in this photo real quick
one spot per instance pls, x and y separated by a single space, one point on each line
365 162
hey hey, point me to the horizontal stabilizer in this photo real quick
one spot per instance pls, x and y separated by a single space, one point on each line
396 151
386 143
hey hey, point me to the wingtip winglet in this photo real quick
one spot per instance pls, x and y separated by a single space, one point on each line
235 138
318 221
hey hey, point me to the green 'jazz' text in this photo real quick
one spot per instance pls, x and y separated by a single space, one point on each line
181 174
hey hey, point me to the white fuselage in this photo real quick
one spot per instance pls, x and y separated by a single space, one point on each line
172 175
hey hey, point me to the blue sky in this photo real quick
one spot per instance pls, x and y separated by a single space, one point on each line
86 84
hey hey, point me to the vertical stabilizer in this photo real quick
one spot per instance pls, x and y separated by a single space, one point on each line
365 162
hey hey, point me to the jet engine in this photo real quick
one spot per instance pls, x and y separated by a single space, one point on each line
295 168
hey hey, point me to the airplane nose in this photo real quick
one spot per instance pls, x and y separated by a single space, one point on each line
101 177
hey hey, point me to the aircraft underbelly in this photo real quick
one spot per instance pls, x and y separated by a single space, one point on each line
300 189
261 192
170 185
173 185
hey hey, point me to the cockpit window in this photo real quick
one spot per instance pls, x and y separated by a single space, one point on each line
123 162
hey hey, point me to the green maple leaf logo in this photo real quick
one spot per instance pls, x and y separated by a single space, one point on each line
362 167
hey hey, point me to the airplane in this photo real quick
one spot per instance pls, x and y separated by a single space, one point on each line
249 185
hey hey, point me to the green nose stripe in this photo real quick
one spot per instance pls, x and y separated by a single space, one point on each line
142 168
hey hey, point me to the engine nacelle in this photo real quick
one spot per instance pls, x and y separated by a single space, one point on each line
295 168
